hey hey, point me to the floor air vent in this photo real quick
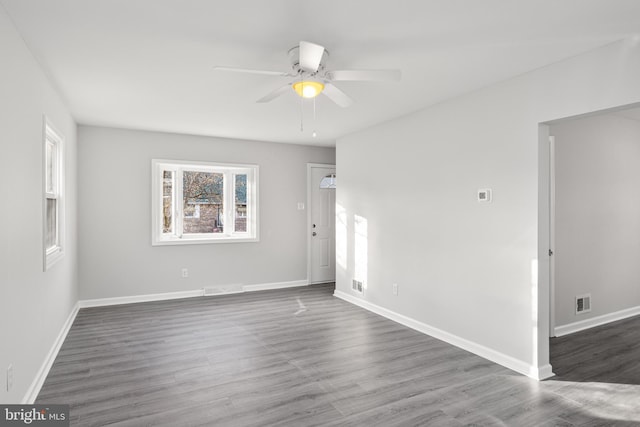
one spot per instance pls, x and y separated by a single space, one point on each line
220 290
583 303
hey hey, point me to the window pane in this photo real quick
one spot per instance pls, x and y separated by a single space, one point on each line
328 181
50 167
167 201
240 208
51 233
203 192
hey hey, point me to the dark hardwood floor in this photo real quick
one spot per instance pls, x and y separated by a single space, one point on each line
605 354
301 357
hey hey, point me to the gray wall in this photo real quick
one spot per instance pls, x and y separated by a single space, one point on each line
476 272
597 215
117 258
33 304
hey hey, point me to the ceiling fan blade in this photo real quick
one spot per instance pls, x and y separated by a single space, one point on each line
250 71
336 95
365 75
274 94
310 56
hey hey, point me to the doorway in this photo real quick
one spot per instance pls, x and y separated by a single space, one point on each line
321 201
594 206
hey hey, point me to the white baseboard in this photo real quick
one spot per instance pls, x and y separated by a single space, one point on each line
595 321
101 302
541 373
475 348
33 391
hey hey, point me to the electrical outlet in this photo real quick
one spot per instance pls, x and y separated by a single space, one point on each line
9 377
185 273
394 287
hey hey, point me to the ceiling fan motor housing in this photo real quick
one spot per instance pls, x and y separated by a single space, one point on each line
294 58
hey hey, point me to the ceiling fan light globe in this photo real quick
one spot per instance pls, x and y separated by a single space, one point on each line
308 89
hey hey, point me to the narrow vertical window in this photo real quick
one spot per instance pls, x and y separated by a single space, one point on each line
53 204
240 208
167 201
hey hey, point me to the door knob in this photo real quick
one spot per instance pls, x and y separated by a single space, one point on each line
314 234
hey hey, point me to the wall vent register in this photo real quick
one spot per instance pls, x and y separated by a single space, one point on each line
356 285
583 303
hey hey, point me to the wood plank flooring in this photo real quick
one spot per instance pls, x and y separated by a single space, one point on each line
302 357
606 354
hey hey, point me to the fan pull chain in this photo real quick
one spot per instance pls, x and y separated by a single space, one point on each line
314 118
301 112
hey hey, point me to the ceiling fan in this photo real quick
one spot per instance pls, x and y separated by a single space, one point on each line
310 78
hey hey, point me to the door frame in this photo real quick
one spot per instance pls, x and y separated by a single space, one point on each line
552 236
310 166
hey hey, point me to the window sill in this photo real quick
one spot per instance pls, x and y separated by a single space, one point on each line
203 241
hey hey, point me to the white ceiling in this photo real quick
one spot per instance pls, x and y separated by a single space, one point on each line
147 64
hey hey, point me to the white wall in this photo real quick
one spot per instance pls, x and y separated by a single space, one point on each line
117 258
470 270
34 305
597 215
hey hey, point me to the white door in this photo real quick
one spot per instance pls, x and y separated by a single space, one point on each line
322 235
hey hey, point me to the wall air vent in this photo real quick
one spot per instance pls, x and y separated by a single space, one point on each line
583 303
356 285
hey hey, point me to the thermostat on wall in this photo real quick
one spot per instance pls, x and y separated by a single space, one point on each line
484 195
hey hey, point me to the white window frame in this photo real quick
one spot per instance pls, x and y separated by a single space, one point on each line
53 189
177 237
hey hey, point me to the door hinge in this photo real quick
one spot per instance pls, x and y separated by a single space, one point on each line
550 252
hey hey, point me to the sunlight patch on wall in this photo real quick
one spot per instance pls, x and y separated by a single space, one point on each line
534 309
341 237
361 246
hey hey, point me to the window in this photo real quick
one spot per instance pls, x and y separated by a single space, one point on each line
328 181
53 205
198 202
